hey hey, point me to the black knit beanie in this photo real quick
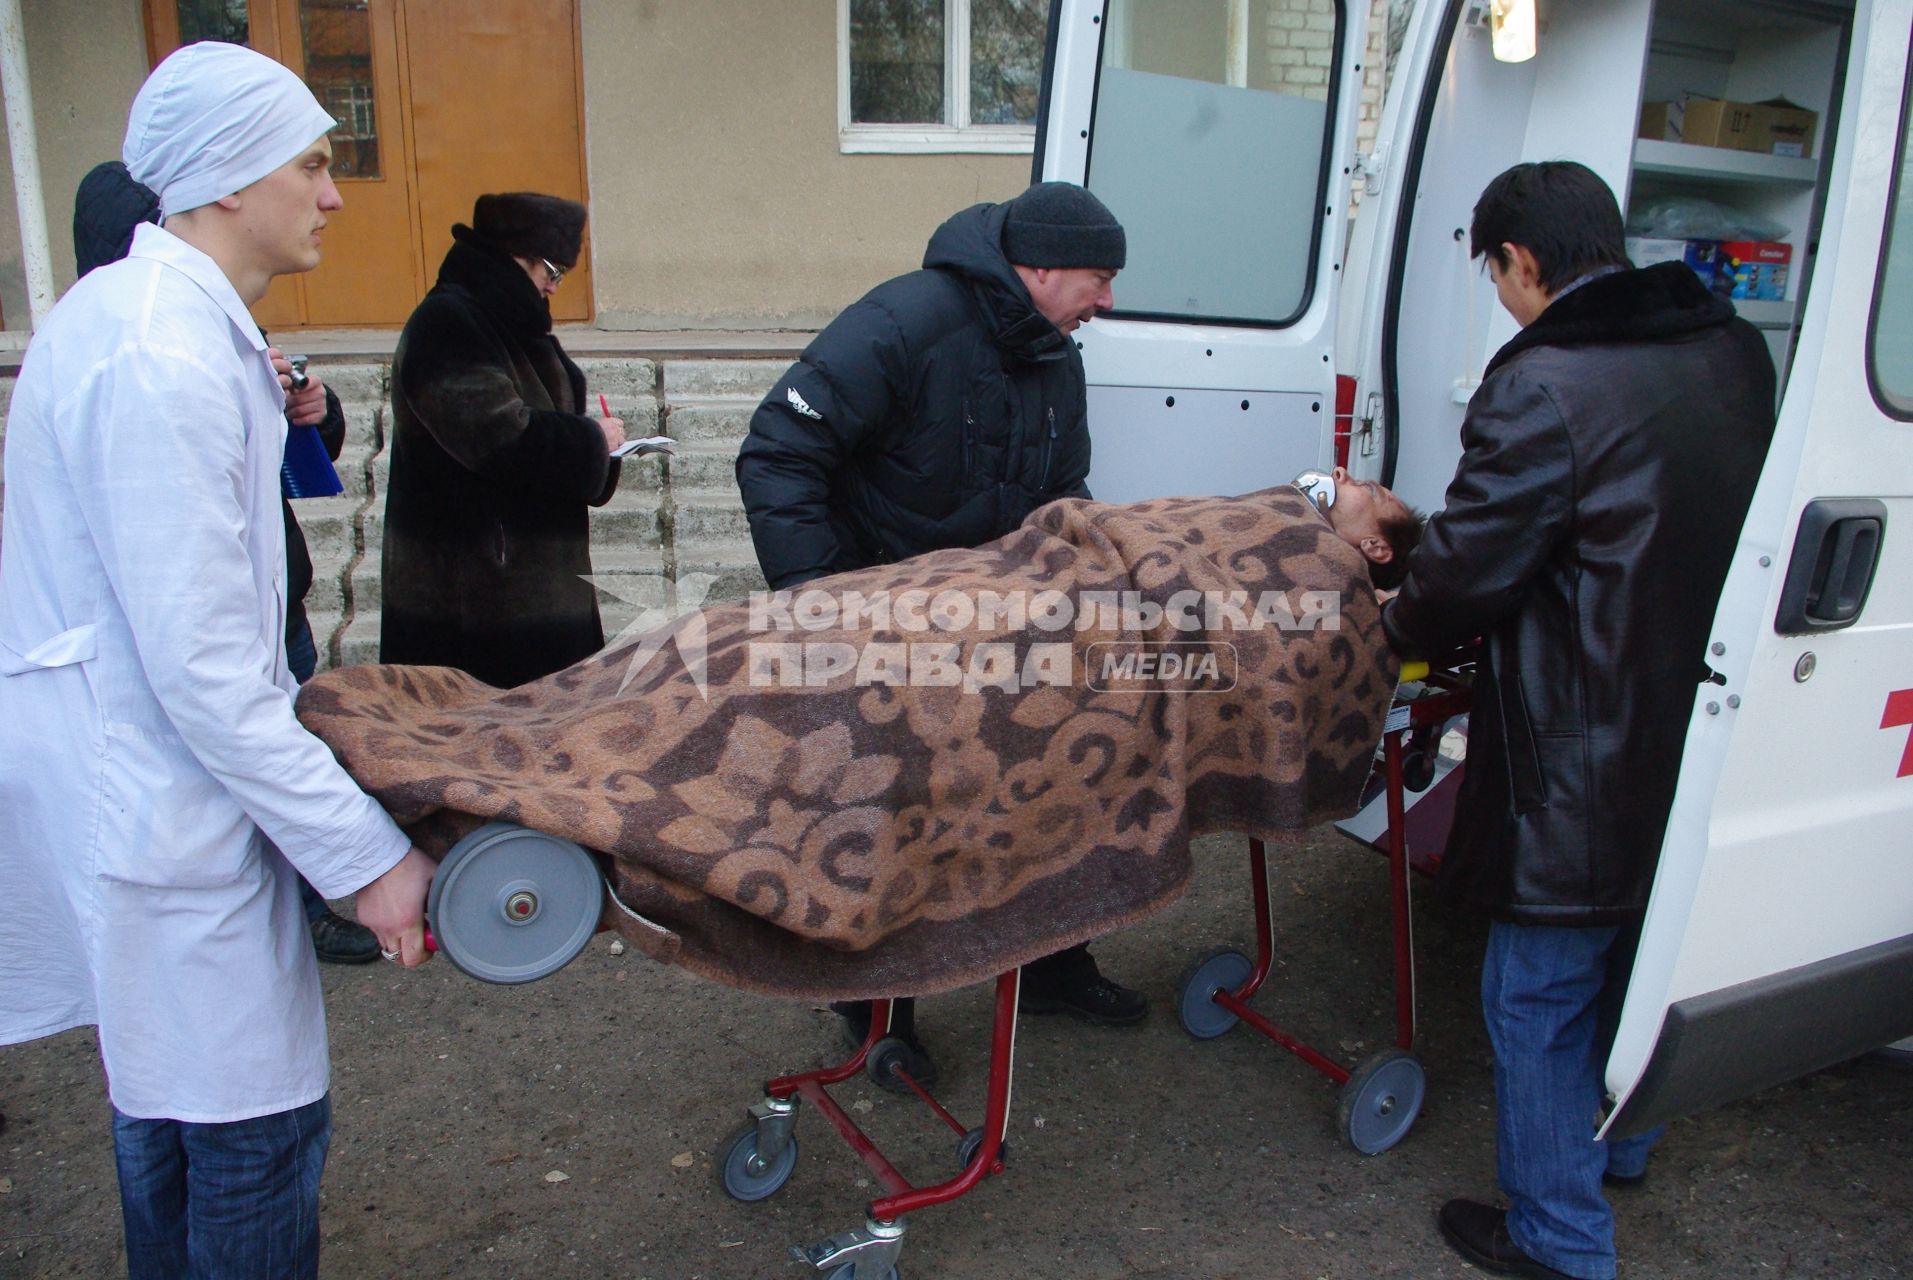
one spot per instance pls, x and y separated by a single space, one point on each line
1059 224
528 225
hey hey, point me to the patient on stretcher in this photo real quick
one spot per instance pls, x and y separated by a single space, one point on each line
909 778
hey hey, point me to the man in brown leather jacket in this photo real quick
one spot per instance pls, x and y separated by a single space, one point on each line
1608 459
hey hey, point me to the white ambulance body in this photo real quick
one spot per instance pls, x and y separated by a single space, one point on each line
1779 938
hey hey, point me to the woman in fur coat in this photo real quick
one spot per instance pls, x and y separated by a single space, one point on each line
494 459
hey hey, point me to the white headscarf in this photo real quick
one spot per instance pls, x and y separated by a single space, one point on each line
214 118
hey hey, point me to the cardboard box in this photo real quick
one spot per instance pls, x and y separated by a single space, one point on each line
1781 129
1702 122
1757 268
1701 256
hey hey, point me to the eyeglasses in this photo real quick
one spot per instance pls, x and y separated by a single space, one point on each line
554 274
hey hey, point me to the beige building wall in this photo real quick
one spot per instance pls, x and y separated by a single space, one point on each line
86 59
719 198
718 195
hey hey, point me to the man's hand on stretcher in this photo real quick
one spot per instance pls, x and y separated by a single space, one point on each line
393 908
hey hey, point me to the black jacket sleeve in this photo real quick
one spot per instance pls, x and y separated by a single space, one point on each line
1506 511
332 428
849 382
456 378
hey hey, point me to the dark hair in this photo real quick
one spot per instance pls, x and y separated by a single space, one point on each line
1559 211
1403 535
108 208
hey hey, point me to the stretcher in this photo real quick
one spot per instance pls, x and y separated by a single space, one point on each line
512 905
1381 1096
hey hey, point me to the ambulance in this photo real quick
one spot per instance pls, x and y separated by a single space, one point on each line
1260 331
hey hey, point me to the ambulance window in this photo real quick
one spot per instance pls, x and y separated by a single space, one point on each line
1891 357
1209 141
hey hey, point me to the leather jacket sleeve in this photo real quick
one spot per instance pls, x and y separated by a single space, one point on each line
1506 511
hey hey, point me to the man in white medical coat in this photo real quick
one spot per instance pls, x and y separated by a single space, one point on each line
156 790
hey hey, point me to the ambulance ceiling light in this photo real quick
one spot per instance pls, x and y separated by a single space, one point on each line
1511 25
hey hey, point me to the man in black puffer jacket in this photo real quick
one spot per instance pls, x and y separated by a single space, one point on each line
938 411
1608 460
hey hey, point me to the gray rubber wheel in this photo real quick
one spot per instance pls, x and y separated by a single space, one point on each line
1213 971
886 1055
510 905
748 1179
1381 1100
972 1142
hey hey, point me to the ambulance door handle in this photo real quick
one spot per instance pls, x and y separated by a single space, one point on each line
1835 553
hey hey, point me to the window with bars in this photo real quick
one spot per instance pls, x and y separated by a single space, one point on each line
940 75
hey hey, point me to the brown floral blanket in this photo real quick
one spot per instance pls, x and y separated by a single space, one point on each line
912 777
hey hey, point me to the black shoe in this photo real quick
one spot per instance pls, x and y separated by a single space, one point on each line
1089 996
337 940
1623 1180
1479 1233
856 1027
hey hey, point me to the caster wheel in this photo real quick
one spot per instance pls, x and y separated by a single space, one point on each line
749 1179
1418 770
513 905
1381 1100
971 1143
885 1056
1213 971
849 1272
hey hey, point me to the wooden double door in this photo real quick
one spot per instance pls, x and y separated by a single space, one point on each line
438 102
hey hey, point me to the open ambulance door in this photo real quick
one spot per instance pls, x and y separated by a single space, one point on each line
1779 938
1221 135
1421 319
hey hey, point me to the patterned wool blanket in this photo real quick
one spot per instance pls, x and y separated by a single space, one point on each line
912 777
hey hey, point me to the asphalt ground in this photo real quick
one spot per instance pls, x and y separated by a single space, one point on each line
573 1126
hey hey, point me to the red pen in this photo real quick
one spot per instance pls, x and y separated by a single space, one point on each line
604 404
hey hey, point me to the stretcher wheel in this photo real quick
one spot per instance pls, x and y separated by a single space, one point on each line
1213 971
972 1142
749 1179
1381 1100
884 1058
509 904
1418 770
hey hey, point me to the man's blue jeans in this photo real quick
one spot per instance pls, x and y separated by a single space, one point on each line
1552 998
233 1201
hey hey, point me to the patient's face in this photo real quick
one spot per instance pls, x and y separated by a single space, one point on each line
1360 508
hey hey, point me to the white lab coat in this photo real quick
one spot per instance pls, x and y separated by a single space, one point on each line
151 768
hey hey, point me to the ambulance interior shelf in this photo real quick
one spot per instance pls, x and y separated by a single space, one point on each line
1736 105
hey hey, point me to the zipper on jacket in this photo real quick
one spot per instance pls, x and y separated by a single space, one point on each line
1049 450
969 443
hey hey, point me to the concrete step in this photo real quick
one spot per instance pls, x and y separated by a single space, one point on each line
354 382
358 641
624 382
328 591
709 422
694 465
699 379
330 527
